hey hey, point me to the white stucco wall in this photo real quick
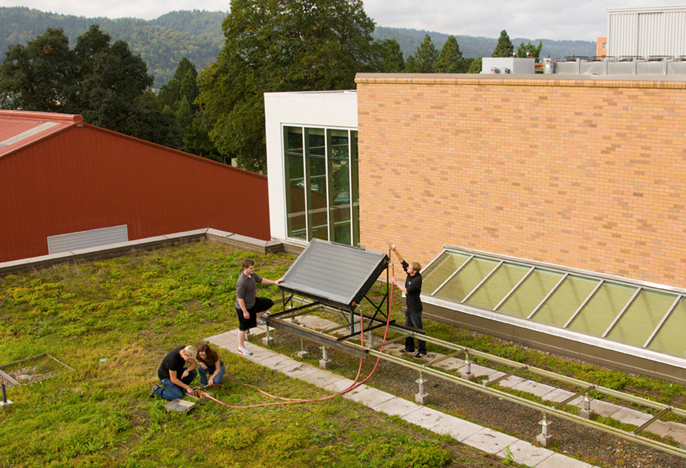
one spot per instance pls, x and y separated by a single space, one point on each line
311 109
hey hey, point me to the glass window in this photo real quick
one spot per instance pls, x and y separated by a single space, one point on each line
440 270
355 187
466 279
530 293
489 295
339 187
566 299
670 337
295 182
315 184
322 186
602 308
642 317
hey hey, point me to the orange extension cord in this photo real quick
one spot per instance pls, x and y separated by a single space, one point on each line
355 384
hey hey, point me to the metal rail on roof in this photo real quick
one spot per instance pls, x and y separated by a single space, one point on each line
662 322
352 348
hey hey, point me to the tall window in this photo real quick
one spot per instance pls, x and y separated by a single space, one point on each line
322 196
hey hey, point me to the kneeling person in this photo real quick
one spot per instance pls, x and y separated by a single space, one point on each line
209 363
173 376
249 307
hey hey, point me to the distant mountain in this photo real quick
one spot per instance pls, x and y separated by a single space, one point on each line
162 42
198 35
410 39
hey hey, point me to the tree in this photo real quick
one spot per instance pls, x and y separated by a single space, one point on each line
106 84
281 45
39 76
424 58
529 50
390 55
475 66
450 58
504 47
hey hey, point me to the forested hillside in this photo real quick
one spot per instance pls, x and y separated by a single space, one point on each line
161 43
410 39
198 35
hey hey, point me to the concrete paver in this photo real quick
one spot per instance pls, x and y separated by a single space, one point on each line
602 408
451 364
524 452
397 407
298 372
558 460
225 340
629 416
534 388
322 378
456 428
340 385
276 361
490 441
668 429
558 395
426 417
369 396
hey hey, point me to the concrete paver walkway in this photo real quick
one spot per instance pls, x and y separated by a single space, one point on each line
468 433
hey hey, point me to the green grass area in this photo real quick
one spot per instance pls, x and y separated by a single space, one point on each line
113 321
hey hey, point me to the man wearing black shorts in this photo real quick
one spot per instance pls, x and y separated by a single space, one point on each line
249 307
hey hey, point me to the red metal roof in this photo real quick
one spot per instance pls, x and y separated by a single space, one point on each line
20 128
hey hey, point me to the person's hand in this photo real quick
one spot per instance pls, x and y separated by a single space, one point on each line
189 390
185 374
279 281
210 381
393 248
393 281
246 315
204 366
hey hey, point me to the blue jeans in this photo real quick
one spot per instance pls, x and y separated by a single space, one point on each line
209 371
414 319
171 391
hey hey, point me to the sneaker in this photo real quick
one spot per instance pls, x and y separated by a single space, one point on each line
407 351
153 392
261 321
419 355
244 351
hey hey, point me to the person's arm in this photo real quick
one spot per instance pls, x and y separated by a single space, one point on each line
217 368
397 254
400 286
177 382
266 281
246 314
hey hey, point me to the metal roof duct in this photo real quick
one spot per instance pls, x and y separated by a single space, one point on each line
334 274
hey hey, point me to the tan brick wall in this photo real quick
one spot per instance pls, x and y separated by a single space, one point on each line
584 173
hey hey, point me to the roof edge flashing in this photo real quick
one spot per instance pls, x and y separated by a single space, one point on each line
47 116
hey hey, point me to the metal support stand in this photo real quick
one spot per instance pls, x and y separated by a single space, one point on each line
544 438
302 353
586 410
5 401
370 339
267 340
682 444
247 335
325 362
466 371
421 398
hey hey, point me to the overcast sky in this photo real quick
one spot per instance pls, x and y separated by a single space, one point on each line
531 19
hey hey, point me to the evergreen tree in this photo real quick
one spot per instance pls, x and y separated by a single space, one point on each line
475 66
280 46
504 47
391 57
529 50
450 58
424 58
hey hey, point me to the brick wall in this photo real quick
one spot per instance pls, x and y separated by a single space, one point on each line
586 173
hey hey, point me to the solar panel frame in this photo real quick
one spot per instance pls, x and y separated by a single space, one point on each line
336 275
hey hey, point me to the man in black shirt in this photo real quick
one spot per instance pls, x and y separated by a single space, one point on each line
413 312
174 376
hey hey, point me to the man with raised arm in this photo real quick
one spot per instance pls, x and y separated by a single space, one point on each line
413 312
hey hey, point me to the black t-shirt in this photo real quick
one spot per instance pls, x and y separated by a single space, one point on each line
413 284
172 361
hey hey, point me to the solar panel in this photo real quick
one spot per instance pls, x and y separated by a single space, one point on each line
334 274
